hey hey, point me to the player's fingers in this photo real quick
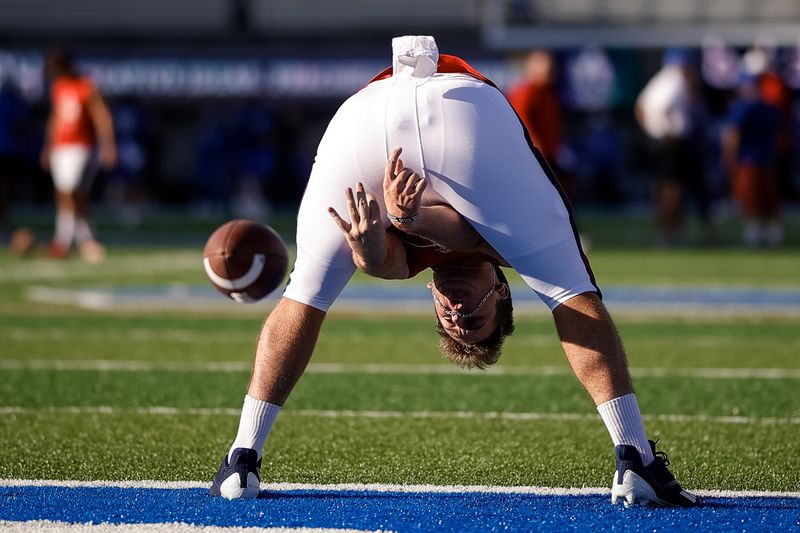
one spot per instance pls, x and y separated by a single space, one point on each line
411 183
351 206
398 166
374 209
392 162
344 226
361 198
403 176
421 185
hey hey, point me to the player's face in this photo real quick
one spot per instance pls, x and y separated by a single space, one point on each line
465 300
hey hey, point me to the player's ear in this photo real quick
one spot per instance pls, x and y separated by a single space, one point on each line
429 285
502 291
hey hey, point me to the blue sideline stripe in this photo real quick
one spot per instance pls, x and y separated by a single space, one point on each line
388 510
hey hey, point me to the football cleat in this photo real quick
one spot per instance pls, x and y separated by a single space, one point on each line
239 478
652 485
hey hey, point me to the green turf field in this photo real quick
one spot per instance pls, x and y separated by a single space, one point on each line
154 394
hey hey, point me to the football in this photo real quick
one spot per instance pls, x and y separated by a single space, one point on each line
245 260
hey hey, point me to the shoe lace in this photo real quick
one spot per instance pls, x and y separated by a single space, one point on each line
660 455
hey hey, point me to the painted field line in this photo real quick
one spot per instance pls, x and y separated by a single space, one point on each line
7 526
380 487
384 368
323 413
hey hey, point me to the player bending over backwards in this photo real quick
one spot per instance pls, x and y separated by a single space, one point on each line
471 296
458 129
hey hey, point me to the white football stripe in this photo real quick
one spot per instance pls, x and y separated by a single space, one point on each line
322 413
176 527
382 487
256 267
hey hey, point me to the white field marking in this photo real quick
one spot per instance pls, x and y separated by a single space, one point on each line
178 527
325 413
132 334
150 263
386 368
190 336
380 487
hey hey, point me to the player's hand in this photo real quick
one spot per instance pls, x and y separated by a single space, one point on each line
402 189
365 232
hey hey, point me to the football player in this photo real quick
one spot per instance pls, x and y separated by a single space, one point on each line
458 129
79 120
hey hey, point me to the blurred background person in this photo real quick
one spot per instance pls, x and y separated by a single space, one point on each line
252 161
775 92
749 151
79 119
125 193
600 162
670 110
13 115
537 101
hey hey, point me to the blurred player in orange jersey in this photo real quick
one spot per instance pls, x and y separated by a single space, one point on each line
537 102
79 121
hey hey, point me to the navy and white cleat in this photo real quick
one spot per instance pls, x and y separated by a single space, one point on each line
652 485
239 478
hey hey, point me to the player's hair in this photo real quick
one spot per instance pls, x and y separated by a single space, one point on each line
486 352
60 63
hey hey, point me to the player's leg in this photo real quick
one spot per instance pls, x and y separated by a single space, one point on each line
594 349
68 166
65 225
483 165
284 348
322 269
91 250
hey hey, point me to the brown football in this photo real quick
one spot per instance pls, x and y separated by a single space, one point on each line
245 260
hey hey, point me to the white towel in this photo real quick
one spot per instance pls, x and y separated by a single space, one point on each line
415 55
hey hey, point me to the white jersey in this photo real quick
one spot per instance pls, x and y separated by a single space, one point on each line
464 137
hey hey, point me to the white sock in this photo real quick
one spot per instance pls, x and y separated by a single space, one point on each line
83 232
65 228
255 424
624 423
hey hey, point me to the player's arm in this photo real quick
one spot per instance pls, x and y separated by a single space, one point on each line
104 127
375 251
402 192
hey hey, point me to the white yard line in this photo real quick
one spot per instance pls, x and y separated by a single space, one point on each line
7 526
380 487
373 414
151 263
385 368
